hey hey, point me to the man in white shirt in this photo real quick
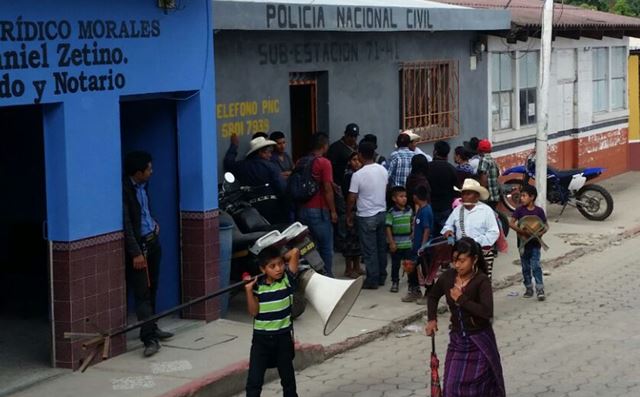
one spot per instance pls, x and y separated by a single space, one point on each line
413 145
367 193
474 219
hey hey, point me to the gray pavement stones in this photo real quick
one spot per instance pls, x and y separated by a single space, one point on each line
588 347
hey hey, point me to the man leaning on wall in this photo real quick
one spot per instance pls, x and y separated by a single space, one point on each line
142 246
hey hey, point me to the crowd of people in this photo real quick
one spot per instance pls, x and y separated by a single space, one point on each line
370 207
367 207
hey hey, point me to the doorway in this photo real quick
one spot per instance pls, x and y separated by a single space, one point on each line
151 125
308 104
25 335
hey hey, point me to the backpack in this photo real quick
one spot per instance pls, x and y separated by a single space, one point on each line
301 186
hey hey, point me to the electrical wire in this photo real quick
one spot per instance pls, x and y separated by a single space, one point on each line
530 44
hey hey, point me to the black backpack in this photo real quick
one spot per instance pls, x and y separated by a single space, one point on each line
301 186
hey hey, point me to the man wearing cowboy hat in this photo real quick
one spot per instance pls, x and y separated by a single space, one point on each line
474 219
257 169
413 144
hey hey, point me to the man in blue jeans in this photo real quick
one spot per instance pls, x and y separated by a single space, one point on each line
319 213
367 193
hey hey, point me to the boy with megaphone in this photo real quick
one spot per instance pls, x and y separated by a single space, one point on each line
269 300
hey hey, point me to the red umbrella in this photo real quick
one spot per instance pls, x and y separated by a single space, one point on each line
436 390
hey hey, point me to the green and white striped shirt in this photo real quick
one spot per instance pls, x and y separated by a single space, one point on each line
275 300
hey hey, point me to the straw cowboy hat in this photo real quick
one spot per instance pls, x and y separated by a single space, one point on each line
412 135
473 186
259 143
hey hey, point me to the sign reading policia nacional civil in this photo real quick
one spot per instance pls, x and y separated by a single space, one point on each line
256 15
81 55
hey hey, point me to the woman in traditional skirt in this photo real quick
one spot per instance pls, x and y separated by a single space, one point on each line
472 366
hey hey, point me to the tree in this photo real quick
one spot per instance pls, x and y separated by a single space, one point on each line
621 7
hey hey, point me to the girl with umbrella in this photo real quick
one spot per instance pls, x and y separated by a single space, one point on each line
472 366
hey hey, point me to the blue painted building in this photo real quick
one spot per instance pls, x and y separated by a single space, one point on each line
81 84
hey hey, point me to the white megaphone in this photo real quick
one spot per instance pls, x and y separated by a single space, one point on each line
332 298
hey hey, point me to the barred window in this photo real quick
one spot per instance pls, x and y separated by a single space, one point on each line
429 103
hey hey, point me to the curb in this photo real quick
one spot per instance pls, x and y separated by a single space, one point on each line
231 379
570 256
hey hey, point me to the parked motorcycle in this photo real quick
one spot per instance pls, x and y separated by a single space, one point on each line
564 187
249 226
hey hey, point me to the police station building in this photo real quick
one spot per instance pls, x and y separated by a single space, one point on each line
81 84
301 66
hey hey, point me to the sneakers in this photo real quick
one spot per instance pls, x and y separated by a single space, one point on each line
528 293
422 300
151 347
394 287
411 296
540 295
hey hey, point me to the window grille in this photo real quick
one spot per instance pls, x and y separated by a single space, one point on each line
429 99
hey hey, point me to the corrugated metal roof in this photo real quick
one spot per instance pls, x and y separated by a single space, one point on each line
528 13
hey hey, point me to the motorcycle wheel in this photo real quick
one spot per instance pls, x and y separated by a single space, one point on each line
299 305
511 193
594 202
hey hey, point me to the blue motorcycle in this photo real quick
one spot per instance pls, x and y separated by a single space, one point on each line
564 187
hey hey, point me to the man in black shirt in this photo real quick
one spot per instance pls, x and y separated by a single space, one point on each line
340 151
442 179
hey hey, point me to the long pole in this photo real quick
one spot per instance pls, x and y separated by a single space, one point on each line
543 104
180 307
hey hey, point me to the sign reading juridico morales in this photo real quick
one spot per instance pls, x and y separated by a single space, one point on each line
79 55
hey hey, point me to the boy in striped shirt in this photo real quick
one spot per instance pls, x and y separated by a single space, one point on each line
269 302
399 219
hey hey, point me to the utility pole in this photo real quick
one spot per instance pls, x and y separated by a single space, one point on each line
543 104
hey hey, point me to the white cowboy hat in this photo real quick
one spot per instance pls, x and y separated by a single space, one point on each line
259 143
412 135
474 186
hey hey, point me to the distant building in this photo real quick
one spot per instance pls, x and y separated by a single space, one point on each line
588 101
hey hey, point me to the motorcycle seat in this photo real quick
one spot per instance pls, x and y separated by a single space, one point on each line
566 174
242 241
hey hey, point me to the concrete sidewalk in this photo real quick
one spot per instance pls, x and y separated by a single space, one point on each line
211 359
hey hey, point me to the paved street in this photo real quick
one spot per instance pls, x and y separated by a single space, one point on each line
582 342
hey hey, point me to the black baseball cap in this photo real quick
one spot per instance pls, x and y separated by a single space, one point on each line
352 129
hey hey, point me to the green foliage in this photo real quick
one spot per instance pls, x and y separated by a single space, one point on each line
622 7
